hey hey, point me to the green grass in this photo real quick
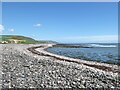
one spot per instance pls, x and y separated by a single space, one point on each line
23 39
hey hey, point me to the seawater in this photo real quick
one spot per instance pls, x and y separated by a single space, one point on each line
95 52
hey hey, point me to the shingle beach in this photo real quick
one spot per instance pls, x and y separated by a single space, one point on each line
22 68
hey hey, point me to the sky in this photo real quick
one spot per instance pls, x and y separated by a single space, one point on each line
66 22
60 0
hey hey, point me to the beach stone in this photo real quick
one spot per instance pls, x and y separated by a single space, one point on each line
23 69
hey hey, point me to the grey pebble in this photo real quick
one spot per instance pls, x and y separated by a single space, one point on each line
21 70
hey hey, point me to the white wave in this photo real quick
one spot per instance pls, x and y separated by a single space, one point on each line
98 45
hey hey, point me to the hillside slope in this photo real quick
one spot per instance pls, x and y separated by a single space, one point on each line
20 39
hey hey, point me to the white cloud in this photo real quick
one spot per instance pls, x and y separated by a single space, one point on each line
100 38
11 30
33 35
1 28
37 25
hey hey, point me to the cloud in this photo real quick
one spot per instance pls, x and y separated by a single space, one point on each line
11 30
1 28
99 38
37 25
33 35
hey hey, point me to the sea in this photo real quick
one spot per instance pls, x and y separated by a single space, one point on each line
101 52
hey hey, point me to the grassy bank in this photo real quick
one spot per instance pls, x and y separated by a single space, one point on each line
21 40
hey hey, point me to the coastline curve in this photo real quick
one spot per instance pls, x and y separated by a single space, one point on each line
41 50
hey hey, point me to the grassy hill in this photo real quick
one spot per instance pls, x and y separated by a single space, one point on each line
21 39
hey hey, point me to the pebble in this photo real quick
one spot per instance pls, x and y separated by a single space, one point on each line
24 70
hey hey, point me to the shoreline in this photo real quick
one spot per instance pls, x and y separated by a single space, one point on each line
23 69
98 65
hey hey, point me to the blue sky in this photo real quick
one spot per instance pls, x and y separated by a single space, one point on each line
62 22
